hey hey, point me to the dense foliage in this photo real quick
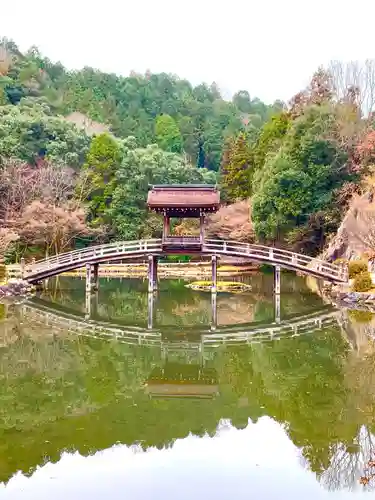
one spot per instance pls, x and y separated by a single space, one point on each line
152 128
153 107
304 165
30 132
298 165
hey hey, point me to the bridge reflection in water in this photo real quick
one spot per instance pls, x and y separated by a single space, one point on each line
197 339
189 377
92 304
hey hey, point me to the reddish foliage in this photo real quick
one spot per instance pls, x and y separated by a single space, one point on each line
50 226
232 222
365 150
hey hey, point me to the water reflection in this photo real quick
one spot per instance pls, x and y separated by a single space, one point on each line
220 412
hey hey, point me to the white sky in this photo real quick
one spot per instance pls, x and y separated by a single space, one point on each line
268 47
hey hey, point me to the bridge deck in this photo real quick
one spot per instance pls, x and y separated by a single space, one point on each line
122 250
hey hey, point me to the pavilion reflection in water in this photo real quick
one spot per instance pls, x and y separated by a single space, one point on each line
177 380
183 373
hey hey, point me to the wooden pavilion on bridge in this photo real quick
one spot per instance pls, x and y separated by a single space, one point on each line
184 201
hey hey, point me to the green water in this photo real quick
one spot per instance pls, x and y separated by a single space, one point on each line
105 405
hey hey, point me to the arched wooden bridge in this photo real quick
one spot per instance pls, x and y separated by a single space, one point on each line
121 250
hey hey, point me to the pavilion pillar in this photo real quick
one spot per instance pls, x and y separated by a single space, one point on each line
166 226
214 273
201 228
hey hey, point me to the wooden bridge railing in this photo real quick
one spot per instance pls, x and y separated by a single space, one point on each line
277 256
82 256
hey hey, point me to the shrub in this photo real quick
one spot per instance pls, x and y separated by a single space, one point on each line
178 258
362 282
357 267
361 316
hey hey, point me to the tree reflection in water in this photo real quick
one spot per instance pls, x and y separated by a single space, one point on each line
63 391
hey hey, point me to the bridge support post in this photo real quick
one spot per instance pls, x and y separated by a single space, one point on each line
213 311
277 308
87 304
150 310
155 281
277 280
95 275
88 278
277 290
214 273
22 268
152 273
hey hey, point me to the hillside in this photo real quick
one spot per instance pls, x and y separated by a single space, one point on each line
131 106
78 150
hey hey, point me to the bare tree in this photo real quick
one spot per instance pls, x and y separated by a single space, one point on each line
21 184
354 80
352 465
51 226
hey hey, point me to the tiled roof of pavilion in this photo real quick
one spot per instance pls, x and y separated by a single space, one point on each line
183 196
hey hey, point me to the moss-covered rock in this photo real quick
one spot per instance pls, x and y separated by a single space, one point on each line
221 286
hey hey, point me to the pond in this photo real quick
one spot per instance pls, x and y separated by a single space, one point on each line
178 396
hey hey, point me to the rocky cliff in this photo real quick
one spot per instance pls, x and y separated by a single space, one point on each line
356 234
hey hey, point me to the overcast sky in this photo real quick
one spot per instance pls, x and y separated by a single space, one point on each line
268 47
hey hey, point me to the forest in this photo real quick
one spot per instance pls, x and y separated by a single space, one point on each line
78 150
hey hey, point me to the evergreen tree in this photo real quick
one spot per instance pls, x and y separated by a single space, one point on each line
236 169
168 135
98 176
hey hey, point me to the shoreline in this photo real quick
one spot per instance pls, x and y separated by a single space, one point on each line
165 270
